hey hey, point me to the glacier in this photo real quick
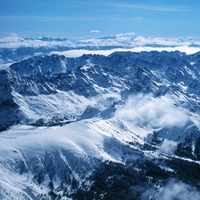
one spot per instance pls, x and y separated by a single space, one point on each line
72 128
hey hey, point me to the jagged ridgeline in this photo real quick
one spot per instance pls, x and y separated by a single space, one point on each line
123 126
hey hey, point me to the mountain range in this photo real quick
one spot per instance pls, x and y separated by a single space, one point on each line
121 126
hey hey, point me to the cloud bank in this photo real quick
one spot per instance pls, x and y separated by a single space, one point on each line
128 41
146 110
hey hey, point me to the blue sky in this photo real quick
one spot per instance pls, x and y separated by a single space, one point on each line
84 19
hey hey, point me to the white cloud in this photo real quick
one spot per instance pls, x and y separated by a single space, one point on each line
95 31
173 190
126 42
180 191
79 52
168 147
146 110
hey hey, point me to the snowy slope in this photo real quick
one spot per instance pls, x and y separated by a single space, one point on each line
61 118
32 156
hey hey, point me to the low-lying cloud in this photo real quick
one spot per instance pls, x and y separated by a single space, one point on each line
168 147
172 191
179 191
144 110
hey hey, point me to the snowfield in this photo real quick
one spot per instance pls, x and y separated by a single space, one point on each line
76 147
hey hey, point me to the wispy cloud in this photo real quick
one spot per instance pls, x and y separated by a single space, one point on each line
41 18
29 18
152 8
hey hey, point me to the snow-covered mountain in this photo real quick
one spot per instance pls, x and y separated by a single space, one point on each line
123 126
